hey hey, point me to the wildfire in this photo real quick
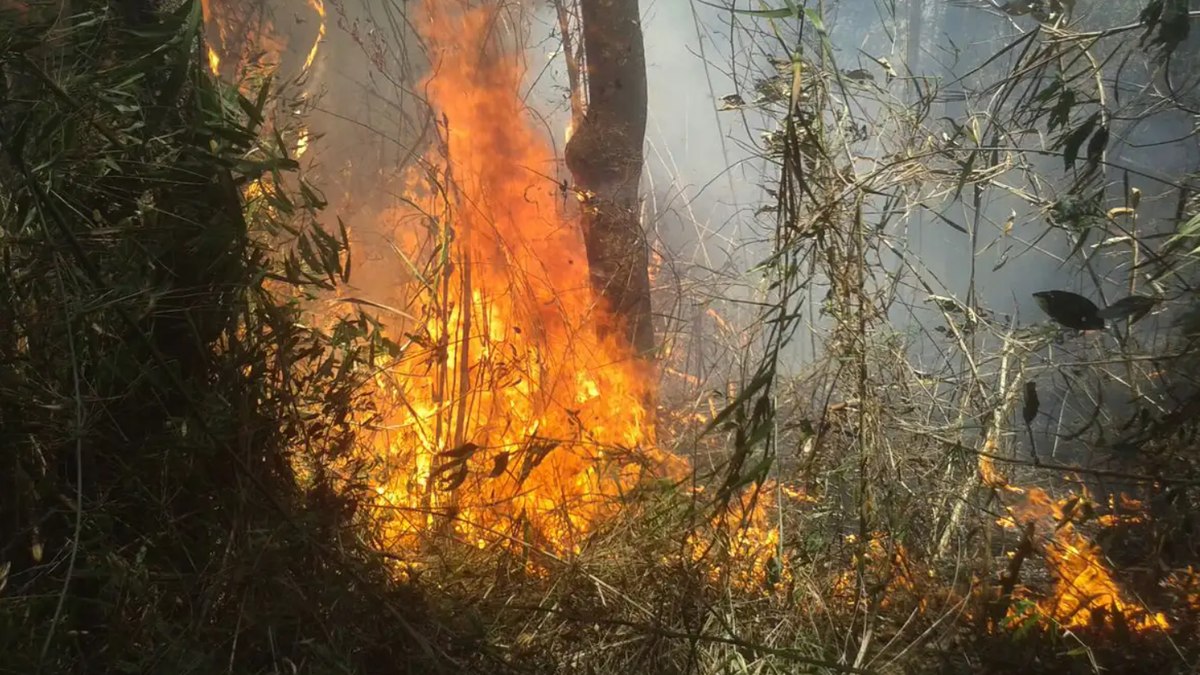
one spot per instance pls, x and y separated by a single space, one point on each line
511 417
319 7
1085 592
214 61
244 37
743 546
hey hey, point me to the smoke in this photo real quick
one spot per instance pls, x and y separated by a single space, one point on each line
705 174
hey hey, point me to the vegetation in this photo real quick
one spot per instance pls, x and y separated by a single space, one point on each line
160 387
184 404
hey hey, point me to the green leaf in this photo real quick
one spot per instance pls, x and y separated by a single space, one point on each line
761 380
784 13
182 62
766 13
815 20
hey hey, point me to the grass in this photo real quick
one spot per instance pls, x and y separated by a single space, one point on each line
168 417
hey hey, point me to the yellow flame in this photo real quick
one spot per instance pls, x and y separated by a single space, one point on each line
302 143
214 61
319 6
510 417
1085 592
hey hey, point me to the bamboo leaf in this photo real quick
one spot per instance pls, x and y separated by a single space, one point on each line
1074 140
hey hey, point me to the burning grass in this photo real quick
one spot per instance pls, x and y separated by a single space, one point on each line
510 417
517 466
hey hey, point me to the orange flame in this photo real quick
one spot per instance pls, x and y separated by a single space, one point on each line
1085 592
214 61
745 546
319 7
513 418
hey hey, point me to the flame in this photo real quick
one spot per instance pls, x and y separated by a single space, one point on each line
1085 592
214 61
1186 584
745 546
302 143
247 39
888 569
511 418
319 7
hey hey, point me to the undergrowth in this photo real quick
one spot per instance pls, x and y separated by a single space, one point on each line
159 384
168 410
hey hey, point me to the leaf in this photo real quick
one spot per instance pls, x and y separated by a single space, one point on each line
499 464
1074 140
783 13
190 16
254 111
1068 510
378 305
1050 90
346 248
1133 307
965 174
815 20
1096 146
462 452
1030 409
1079 243
313 199
951 223
454 480
1060 115
1070 309
762 379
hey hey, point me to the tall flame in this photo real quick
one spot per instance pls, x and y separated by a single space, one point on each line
319 7
514 418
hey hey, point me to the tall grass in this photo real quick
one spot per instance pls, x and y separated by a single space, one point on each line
165 407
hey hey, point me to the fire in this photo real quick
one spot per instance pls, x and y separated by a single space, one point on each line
244 37
511 418
214 61
888 570
1085 593
319 7
742 544
302 143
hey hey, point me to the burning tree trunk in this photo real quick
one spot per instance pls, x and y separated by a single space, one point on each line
605 158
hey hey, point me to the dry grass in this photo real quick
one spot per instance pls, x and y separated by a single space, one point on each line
841 516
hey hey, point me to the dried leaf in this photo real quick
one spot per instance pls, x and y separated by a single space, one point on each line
1030 410
1070 309
499 464
1133 307
1074 140
1096 146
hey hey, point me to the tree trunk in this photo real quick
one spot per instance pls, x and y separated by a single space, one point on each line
604 156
